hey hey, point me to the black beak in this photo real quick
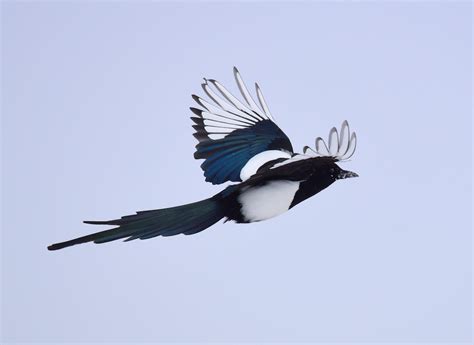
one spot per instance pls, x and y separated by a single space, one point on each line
346 174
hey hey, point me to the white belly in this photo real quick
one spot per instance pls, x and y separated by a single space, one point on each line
270 200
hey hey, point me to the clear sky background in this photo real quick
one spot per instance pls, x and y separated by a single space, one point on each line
96 125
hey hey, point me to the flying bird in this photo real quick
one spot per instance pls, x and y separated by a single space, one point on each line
239 142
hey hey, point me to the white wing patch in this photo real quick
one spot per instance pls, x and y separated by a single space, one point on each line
254 163
267 201
341 145
228 113
295 158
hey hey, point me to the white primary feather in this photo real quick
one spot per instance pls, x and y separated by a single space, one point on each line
227 111
350 148
333 141
344 136
267 201
231 98
263 103
341 147
211 120
230 109
220 112
246 94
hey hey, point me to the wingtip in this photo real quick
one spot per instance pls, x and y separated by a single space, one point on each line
196 111
199 101
197 120
201 136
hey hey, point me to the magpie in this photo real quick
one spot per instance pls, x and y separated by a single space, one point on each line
239 142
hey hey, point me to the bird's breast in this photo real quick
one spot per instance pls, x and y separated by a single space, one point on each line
268 200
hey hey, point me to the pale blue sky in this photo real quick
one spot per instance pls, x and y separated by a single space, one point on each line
96 125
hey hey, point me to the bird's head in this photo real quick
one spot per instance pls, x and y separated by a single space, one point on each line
336 173
325 172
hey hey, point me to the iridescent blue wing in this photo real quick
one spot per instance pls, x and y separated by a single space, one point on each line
235 138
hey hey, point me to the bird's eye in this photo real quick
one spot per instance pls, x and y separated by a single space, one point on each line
331 170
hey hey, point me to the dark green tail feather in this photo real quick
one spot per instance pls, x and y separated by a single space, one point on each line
186 219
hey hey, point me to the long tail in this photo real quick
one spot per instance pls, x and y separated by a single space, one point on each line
186 219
